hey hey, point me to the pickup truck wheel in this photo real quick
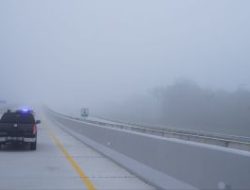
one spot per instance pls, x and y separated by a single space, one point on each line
33 146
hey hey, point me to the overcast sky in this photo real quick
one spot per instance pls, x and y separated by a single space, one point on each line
93 51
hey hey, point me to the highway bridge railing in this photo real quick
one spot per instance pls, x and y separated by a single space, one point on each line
224 140
167 163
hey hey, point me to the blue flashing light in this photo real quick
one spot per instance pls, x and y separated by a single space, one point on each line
25 110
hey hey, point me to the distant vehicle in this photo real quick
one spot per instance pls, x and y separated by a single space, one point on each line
19 126
84 112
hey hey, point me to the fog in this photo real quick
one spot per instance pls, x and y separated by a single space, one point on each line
111 55
186 105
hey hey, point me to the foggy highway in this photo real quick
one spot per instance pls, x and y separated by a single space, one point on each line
76 154
134 95
48 168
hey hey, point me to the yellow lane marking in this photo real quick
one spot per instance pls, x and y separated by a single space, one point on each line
73 163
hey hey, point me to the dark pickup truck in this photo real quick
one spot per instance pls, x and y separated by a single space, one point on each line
19 127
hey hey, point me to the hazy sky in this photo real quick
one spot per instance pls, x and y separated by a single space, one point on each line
92 51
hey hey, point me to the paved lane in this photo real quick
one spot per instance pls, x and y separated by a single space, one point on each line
57 164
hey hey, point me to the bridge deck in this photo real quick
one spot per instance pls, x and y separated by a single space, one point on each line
61 162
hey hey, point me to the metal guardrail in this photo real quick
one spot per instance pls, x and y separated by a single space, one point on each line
230 141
